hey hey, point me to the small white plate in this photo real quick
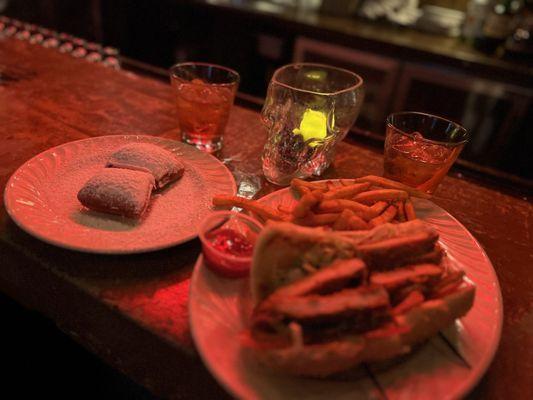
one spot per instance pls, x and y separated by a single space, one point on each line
41 198
220 309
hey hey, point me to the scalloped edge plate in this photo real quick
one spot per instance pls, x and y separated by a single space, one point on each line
219 309
41 198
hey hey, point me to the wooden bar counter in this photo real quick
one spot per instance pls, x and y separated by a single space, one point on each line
132 310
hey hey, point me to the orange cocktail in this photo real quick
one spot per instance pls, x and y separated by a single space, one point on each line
204 97
420 148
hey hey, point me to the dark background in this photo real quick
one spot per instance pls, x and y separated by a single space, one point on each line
40 361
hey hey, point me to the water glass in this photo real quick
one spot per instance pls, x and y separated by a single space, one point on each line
309 108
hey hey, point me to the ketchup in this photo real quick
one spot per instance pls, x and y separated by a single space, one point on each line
231 242
237 248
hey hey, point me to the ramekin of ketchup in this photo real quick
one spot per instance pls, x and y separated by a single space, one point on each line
228 240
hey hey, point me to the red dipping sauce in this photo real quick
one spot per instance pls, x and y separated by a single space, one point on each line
227 243
231 242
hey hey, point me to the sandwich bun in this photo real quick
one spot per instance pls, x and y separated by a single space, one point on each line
278 256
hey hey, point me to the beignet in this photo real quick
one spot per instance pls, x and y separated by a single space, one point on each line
118 191
161 163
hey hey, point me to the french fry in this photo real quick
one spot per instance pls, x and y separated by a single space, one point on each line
378 208
339 205
307 202
323 186
349 221
301 190
390 184
400 205
409 210
332 184
312 219
249 205
346 192
373 196
357 223
342 223
435 179
295 182
342 205
284 209
387 216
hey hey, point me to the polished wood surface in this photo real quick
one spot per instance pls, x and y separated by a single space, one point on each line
132 310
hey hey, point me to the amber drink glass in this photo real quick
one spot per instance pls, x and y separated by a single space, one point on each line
204 97
420 148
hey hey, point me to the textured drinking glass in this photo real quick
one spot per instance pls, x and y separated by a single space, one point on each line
204 95
308 110
420 148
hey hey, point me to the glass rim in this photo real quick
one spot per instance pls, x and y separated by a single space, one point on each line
229 214
275 79
206 64
438 142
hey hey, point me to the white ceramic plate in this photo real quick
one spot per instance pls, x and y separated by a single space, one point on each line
220 308
41 198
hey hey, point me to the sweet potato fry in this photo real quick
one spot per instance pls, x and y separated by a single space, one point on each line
373 196
409 210
330 185
349 221
312 219
301 190
310 185
346 192
342 205
378 208
357 223
390 184
400 205
307 202
342 222
387 216
249 205
284 209
339 205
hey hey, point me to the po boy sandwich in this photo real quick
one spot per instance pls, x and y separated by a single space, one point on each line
327 301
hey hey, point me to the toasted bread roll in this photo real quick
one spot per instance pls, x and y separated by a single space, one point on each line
320 310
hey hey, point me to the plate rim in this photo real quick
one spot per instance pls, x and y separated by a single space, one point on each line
478 371
146 249
194 277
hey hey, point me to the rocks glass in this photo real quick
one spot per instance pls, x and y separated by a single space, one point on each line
204 96
308 110
420 148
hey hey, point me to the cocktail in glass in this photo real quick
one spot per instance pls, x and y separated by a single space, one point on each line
205 94
420 148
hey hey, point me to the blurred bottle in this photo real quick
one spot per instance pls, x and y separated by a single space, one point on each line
519 44
476 13
498 25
